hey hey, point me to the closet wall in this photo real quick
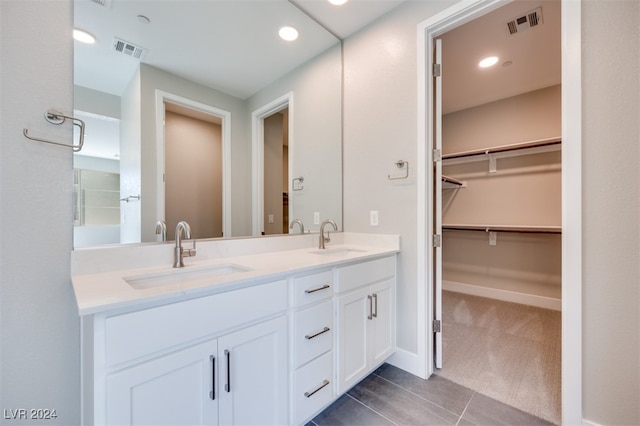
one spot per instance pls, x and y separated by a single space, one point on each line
525 190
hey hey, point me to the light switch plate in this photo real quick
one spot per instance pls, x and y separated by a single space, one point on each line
373 217
316 218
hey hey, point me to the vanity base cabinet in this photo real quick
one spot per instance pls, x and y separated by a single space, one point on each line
239 378
219 359
365 321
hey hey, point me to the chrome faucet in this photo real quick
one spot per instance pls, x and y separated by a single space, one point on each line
326 239
182 229
299 222
161 229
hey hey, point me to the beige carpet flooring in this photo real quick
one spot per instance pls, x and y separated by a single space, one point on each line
507 351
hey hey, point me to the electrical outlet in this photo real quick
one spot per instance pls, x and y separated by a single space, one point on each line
316 218
270 218
373 217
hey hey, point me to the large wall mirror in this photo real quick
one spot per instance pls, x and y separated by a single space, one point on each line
199 111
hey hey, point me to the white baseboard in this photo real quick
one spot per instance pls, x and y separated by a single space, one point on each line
504 295
405 360
590 423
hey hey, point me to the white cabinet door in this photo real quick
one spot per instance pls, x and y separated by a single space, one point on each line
366 331
176 389
253 375
353 313
382 328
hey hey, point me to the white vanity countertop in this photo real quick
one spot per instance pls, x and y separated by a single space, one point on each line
101 276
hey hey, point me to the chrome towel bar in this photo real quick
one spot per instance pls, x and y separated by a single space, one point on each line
56 117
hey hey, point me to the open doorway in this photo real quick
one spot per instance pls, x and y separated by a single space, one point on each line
276 173
497 206
272 137
193 154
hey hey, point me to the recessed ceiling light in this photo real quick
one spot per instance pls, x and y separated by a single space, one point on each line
337 2
143 19
488 62
288 33
83 36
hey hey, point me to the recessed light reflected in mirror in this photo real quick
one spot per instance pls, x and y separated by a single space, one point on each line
83 36
288 33
337 2
488 62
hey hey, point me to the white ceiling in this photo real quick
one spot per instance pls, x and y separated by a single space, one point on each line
534 55
233 46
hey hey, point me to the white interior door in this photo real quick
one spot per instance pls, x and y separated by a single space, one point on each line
437 204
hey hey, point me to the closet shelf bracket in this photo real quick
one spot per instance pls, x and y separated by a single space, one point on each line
56 117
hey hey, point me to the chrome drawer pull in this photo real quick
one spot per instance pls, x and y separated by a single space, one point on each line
375 305
324 330
324 287
325 382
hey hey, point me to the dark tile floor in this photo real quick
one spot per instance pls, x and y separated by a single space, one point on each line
391 396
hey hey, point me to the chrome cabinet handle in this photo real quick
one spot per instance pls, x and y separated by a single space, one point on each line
375 305
227 386
324 287
325 382
212 394
324 330
370 316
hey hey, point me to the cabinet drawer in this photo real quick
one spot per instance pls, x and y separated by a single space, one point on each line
312 288
354 276
145 332
313 332
312 387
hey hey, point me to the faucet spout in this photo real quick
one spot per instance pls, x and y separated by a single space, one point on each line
182 230
323 239
299 222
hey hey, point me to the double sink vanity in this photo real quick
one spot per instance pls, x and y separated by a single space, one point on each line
250 331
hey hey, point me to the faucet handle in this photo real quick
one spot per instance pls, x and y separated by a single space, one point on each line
190 252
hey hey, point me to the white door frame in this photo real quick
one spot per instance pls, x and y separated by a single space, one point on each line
225 116
257 156
460 13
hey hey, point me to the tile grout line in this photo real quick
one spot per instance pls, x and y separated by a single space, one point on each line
369 408
465 408
420 396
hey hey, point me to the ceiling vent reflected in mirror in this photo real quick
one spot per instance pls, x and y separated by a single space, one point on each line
128 49
105 3
524 22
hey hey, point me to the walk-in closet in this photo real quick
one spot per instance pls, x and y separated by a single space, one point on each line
501 207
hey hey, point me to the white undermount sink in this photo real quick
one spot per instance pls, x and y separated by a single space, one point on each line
181 276
337 251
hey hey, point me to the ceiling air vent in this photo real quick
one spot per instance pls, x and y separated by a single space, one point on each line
129 49
524 22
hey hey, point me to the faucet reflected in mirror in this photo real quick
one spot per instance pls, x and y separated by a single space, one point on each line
183 230
161 229
323 239
299 222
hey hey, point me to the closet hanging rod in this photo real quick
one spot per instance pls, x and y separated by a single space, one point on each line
451 180
513 229
505 148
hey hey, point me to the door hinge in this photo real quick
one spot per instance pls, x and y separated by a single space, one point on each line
437 70
437 326
437 240
437 155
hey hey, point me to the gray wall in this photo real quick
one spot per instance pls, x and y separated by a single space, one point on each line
611 179
39 325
